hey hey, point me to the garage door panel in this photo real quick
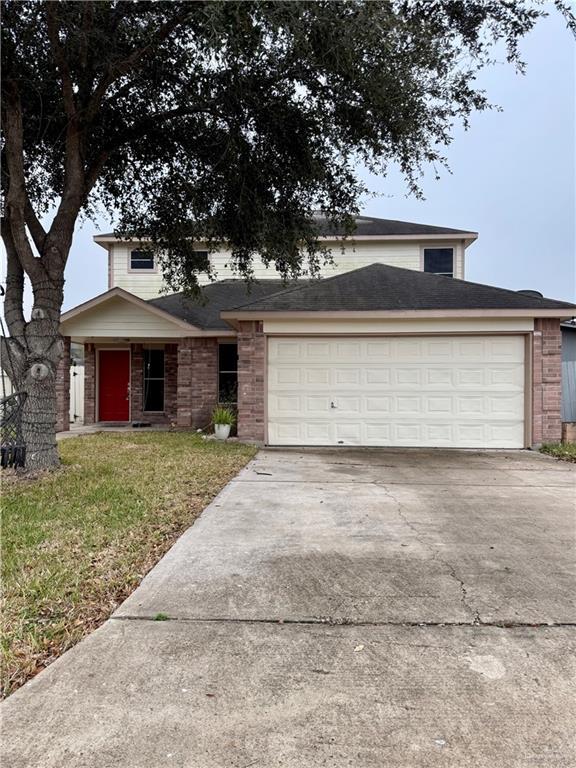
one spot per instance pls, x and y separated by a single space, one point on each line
449 391
317 376
377 376
350 375
319 432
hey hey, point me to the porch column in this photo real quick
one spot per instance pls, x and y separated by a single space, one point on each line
184 384
251 381
63 389
89 384
197 382
204 380
136 382
171 381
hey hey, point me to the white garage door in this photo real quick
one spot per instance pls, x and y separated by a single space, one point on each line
451 391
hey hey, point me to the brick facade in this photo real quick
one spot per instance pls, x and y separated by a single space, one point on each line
546 381
63 389
197 381
251 382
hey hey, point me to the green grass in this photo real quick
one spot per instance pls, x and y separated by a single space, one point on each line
77 541
564 451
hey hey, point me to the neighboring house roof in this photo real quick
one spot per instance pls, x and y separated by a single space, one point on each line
379 287
370 227
204 310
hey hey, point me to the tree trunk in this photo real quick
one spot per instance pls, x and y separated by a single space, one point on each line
44 350
39 415
33 368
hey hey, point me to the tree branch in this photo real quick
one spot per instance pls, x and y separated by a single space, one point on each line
60 59
17 196
115 70
36 229
13 301
138 130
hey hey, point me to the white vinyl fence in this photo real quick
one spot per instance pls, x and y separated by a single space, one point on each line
76 392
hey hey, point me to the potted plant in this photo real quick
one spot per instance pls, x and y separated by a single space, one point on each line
224 419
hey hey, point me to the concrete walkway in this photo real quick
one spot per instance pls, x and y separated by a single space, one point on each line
335 608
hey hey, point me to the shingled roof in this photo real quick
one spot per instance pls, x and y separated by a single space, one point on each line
379 287
370 226
203 310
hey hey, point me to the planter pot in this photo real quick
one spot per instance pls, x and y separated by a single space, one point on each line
222 431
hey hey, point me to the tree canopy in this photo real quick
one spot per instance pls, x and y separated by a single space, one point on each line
234 121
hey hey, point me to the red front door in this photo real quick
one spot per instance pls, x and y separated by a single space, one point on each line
114 385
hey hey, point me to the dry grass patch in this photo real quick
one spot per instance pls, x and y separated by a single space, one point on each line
76 542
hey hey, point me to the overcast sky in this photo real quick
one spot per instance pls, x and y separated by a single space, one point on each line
513 181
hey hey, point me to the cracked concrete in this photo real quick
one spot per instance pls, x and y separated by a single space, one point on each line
336 608
436 555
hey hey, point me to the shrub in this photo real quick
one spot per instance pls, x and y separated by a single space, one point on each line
223 415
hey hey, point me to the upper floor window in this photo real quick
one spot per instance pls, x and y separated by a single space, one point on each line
439 261
141 260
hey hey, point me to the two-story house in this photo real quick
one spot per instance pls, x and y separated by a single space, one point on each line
392 347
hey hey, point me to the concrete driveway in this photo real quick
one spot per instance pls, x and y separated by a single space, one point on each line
378 608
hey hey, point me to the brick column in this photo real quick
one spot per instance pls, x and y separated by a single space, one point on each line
251 381
89 384
204 380
63 389
136 382
170 380
546 381
184 384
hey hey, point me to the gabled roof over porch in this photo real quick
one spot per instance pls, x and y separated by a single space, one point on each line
119 315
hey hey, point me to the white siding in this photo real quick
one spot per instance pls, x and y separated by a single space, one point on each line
143 283
119 318
362 254
397 254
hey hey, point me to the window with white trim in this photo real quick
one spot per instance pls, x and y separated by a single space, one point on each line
439 261
153 394
141 260
227 372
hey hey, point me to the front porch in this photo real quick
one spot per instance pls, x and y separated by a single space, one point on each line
168 383
176 384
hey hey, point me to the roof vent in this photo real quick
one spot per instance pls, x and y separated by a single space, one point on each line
530 292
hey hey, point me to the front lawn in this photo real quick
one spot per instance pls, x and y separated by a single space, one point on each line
76 542
564 451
